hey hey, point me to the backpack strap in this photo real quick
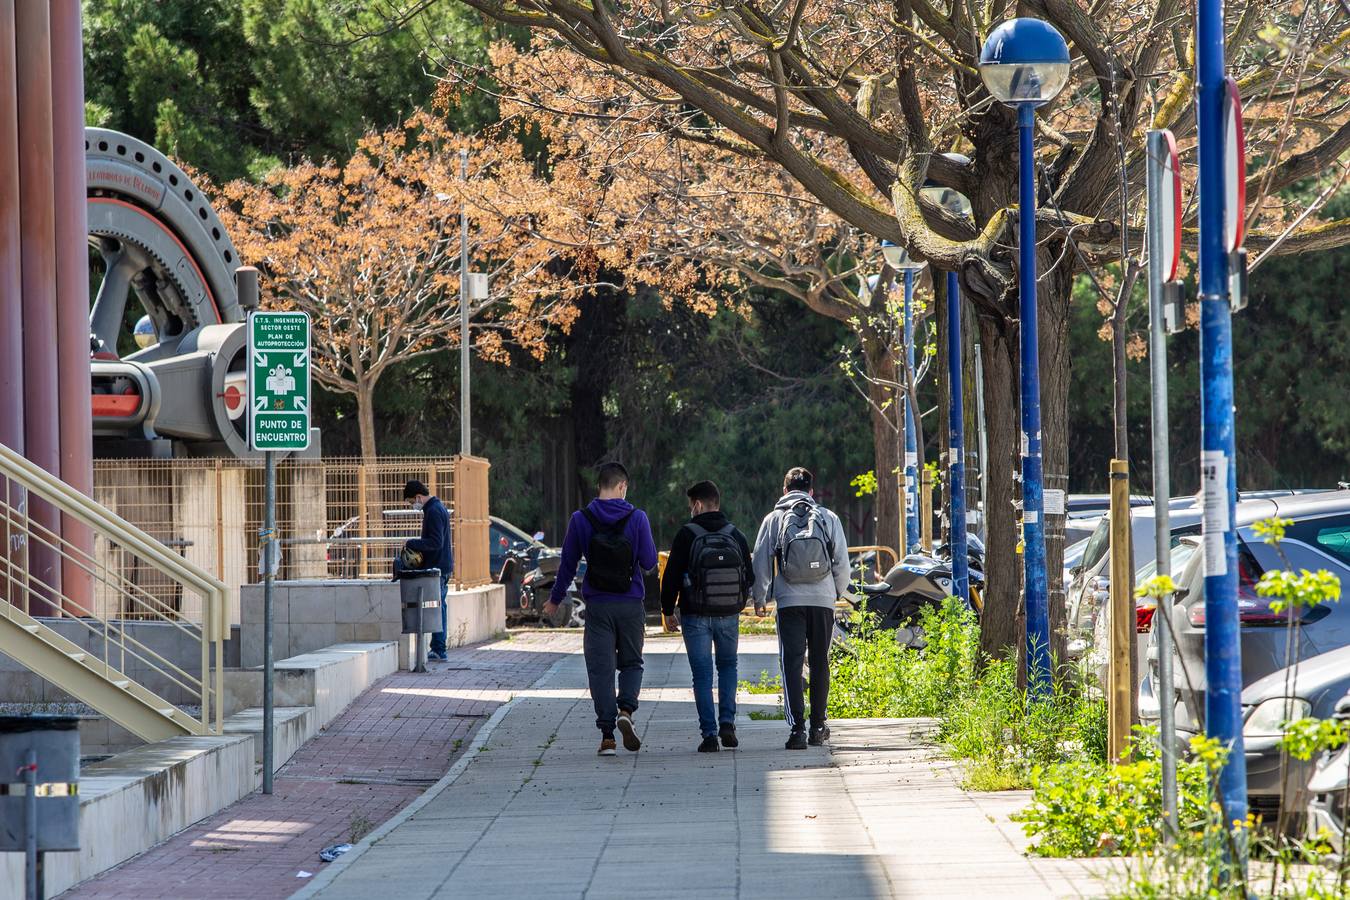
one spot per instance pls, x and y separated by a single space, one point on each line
727 529
698 530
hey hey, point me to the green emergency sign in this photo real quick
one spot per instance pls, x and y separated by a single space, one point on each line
278 381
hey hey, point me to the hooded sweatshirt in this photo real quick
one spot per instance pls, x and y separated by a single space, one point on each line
677 565
767 581
639 533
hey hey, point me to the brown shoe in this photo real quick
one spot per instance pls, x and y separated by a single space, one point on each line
631 742
606 747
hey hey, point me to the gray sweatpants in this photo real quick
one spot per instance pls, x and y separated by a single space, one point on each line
613 642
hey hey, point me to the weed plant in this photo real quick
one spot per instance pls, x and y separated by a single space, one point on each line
985 718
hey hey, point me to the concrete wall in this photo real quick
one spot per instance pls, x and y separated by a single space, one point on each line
140 798
311 615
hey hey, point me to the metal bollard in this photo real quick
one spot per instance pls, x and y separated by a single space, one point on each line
41 753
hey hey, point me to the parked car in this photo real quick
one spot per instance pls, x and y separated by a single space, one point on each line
1086 593
503 537
1088 588
1318 538
1328 814
1312 689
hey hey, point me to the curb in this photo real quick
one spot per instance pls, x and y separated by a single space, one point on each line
332 870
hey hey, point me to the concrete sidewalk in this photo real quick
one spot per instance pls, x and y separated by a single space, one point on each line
533 812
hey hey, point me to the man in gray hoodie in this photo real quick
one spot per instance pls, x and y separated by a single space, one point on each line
801 561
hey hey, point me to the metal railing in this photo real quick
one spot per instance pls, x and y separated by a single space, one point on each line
129 571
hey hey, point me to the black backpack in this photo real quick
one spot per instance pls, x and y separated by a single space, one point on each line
714 582
609 556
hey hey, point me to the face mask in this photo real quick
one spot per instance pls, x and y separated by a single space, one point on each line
418 504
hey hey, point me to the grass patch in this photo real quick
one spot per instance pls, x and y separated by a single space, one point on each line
752 624
985 719
764 715
765 685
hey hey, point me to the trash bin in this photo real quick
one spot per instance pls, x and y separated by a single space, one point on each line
420 590
43 755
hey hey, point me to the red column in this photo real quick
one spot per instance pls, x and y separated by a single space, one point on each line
11 304
38 258
72 291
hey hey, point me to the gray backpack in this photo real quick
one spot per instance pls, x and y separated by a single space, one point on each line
805 550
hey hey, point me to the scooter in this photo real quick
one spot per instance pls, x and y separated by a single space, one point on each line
917 582
535 588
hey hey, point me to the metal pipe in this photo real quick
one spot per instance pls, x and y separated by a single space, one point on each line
956 441
42 441
1223 664
1033 526
32 891
72 291
12 551
911 510
1158 151
465 433
11 294
269 559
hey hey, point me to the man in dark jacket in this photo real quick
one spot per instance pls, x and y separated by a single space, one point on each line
616 540
434 545
709 572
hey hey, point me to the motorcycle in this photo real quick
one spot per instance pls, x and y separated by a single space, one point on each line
917 582
534 589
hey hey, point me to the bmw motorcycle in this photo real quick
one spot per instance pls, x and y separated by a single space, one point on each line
917 582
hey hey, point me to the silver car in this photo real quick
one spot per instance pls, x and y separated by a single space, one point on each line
1319 538
1312 689
1329 792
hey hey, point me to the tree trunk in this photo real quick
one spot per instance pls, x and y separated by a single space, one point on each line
879 357
365 419
1002 624
1054 297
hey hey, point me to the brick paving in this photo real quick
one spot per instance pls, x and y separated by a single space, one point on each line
390 745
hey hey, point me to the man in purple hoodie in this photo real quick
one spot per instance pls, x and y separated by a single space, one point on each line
616 539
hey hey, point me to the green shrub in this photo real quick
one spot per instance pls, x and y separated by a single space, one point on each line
986 720
1081 807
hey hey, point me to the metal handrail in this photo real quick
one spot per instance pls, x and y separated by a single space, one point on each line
213 592
876 548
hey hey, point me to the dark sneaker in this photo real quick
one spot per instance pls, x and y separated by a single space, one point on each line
438 654
728 735
819 735
709 745
796 741
606 747
631 742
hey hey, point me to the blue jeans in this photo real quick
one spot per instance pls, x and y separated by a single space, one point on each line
703 634
438 638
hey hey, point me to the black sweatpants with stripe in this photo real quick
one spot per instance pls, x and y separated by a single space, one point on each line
805 632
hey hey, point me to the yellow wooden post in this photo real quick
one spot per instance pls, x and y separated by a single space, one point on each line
1121 673
926 510
362 516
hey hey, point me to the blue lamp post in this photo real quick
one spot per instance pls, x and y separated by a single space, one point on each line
898 259
1025 63
1223 650
959 204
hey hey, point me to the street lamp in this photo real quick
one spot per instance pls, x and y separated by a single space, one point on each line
1024 64
898 259
955 202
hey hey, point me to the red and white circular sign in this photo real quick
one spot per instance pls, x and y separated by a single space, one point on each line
1170 209
1234 170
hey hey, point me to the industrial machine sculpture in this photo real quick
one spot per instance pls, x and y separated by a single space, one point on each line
181 387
